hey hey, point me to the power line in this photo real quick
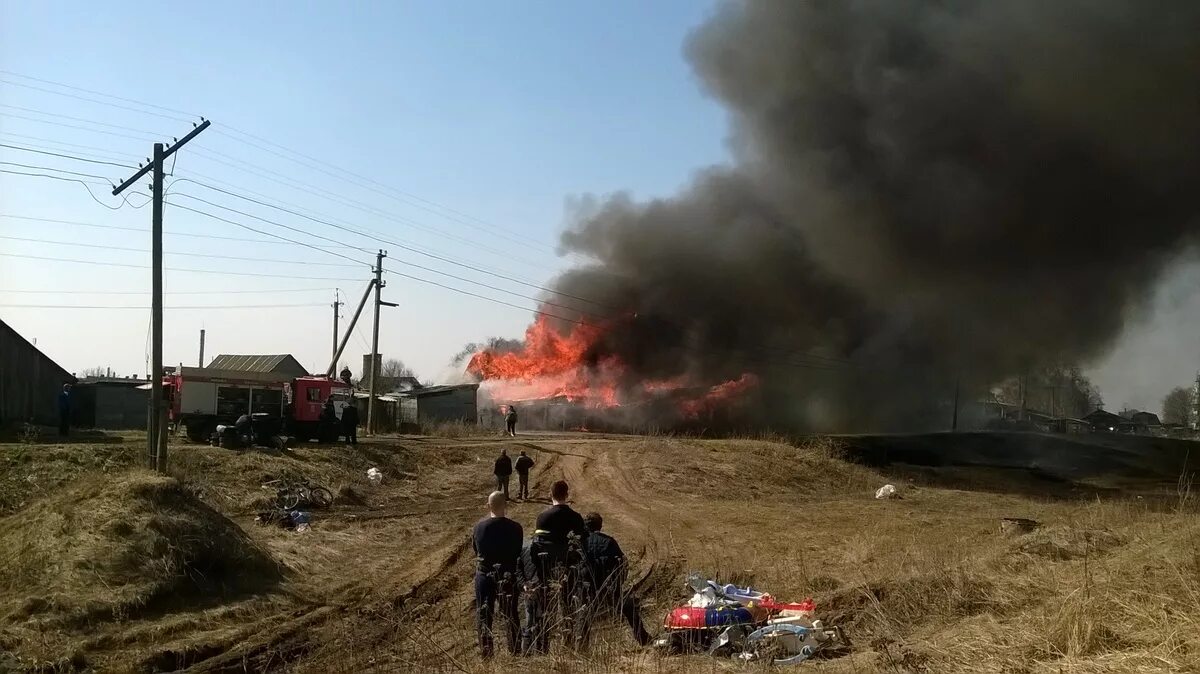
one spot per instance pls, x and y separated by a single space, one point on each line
307 161
307 213
92 100
358 233
65 156
70 180
405 247
411 264
258 171
143 230
50 168
143 250
97 93
211 307
408 198
264 233
167 292
309 189
152 135
73 126
108 151
178 269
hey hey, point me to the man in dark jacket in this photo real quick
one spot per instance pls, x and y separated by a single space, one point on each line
510 421
552 555
524 463
350 423
64 411
607 569
503 471
497 543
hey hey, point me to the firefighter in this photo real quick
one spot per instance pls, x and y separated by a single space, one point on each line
524 463
551 558
607 569
328 422
243 430
503 472
350 422
497 544
510 421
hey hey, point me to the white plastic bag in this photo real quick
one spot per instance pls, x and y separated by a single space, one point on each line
886 491
375 476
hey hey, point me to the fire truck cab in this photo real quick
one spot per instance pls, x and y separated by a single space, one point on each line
304 401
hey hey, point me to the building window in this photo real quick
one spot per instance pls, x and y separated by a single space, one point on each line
314 395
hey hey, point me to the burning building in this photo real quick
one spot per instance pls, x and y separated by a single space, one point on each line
923 196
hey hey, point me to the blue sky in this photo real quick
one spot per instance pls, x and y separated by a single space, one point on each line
498 111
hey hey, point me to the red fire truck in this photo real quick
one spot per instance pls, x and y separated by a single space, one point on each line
201 398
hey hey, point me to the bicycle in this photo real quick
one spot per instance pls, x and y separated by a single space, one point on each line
293 494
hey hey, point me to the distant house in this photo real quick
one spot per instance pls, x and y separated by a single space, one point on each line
110 402
434 404
1147 419
29 381
1103 421
281 364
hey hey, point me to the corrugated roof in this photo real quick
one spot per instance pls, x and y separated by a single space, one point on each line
265 363
433 390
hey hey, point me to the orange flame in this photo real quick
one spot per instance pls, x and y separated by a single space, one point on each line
552 364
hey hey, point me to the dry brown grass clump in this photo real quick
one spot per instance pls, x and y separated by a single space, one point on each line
110 548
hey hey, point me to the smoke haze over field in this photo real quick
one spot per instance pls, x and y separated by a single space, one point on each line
922 193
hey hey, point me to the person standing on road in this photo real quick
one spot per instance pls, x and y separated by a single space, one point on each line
524 463
503 472
607 569
551 554
64 411
350 422
497 543
510 421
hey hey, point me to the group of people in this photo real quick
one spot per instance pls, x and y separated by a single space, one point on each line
348 424
503 471
568 563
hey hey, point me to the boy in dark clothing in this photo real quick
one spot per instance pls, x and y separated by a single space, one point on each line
350 423
497 543
510 421
524 463
64 411
503 471
607 567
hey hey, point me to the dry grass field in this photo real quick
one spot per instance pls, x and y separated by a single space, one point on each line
107 567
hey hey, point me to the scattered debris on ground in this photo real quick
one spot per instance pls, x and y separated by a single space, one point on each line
746 624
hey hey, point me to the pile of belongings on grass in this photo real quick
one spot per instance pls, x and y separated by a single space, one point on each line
296 520
745 624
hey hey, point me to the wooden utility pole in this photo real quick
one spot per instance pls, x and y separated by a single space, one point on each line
156 423
376 366
201 347
337 305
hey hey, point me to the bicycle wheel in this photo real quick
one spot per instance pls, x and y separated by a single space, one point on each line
320 497
289 499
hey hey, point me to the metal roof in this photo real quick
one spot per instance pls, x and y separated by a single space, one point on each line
280 363
433 390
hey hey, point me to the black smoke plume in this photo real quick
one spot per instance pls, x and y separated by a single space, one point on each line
923 194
